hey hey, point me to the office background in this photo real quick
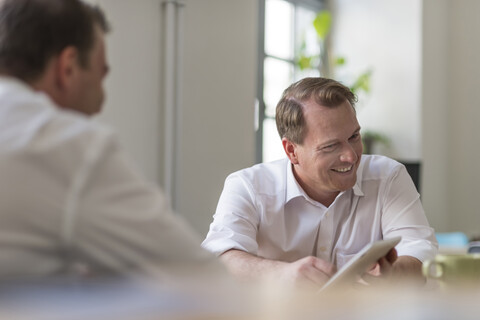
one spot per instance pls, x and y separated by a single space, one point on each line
424 53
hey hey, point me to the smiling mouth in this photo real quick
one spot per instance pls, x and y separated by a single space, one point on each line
343 170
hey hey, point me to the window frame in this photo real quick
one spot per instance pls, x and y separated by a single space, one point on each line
315 5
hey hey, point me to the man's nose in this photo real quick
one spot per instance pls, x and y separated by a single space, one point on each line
348 154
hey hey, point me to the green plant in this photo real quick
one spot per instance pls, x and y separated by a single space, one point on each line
322 24
361 83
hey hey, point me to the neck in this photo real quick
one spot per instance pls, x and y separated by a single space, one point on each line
325 198
47 83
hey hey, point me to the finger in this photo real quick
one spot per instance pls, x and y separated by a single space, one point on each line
316 276
360 284
373 267
325 267
374 270
370 279
385 266
376 274
314 270
392 255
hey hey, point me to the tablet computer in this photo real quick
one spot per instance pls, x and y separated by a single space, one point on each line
360 263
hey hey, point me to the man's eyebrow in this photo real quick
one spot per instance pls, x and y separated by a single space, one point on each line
327 143
333 141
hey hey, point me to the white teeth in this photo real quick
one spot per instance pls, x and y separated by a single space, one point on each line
343 169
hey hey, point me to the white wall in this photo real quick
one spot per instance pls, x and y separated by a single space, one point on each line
438 85
218 104
219 81
436 133
464 112
465 115
451 96
424 55
384 36
133 84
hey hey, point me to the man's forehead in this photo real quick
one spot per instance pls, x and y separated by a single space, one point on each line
330 121
314 103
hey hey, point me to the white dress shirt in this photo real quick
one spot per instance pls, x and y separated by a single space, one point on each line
71 201
265 212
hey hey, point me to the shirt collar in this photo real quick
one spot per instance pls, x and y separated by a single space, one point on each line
10 83
294 190
357 188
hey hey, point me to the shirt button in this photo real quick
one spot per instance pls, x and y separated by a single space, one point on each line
323 249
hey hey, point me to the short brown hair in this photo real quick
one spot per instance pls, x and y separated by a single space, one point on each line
289 114
34 31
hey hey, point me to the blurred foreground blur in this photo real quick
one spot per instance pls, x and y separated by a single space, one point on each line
144 299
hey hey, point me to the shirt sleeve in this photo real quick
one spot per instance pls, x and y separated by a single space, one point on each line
119 222
235 223
403 215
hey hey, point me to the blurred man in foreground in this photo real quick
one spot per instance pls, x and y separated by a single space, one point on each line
70 201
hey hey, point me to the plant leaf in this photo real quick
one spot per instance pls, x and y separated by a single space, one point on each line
304 62
322 23
340 61
362 82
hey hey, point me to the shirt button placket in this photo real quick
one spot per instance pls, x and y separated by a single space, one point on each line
325 237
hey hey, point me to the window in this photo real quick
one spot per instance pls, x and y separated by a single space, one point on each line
288 35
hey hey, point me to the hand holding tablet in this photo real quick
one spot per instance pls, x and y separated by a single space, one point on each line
359 264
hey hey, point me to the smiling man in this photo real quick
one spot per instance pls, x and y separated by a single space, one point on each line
301 218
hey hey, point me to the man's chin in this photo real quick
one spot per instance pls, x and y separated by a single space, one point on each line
346 185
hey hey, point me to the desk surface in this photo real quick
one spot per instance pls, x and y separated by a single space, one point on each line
145 300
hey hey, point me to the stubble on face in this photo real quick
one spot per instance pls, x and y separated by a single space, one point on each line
330 154
89 96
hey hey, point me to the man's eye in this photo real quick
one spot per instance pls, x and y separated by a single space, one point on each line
330 147
355 136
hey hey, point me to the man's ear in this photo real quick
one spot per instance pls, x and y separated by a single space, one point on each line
66 68
290 149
